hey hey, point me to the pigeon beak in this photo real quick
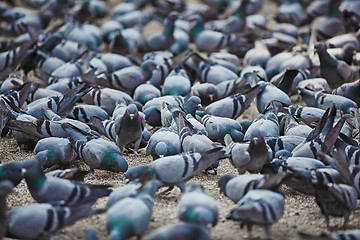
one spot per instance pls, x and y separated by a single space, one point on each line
132 116
23 171
161 156
127 181
200 107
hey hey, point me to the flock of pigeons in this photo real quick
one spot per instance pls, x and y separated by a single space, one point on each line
102 88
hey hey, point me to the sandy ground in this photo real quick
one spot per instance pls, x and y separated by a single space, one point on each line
301 212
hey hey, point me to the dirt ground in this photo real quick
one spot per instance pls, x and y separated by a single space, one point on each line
301 212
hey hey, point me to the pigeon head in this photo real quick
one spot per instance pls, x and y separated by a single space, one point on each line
13 172
46 158
236 135
193 104
283 154
161 149
138 172
34 175
148 66
113 161
132 111
223 180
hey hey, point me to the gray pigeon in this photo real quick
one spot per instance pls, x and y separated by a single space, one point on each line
39 221
145 92
337 200
267 125
129 128
84 112
96 152
248 156
336 72
52 189
269 94
129 217
162 137
322 138
233 106
126 79
218 127
196 206
350 91
133 189
59 151
180 231
235 187
259 207
325 100
107 98
346 234
176 83
191 139
176 169
61 105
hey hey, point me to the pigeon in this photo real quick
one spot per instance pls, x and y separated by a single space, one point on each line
133 189
39 221
350 91
75 174
51 189
58 104
286 142
269 94
163 138
180 231
324 101
346 234
58 151
248 156
196 206
12 172
126 79
291 12
233 106
164 40
121 221
209 40
322 138
337 200
328 25
336 72
145 92
234 23
294 128
84 112
129 127
166 169
107 98
266 124
96 152
218 127
191 139
176 83
259 207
